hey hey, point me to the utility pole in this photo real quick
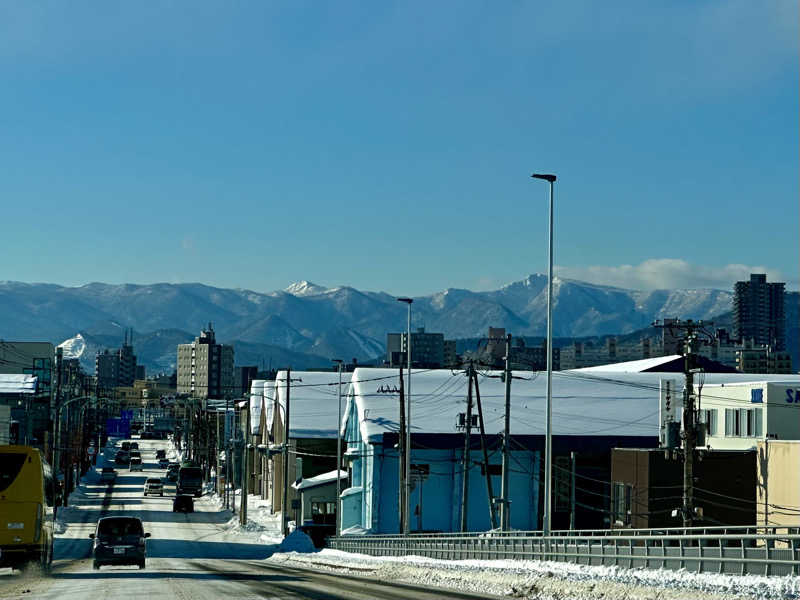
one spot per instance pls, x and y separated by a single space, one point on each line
285 500
226 434
691 341
338 361
572 458
489 492
401 457
466 461
504 506
245 427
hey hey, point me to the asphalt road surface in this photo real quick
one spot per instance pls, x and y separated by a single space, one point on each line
189 556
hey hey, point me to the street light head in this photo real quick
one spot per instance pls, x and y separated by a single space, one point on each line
546 176
406 300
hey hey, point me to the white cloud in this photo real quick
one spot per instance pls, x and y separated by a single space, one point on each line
668 273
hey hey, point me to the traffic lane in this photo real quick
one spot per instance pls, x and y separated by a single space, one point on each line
204 580
281 581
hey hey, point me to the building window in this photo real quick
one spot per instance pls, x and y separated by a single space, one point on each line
732 423
621 502
709 417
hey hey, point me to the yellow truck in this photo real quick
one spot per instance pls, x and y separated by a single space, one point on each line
26 508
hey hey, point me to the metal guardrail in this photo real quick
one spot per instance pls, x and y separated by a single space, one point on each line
728 550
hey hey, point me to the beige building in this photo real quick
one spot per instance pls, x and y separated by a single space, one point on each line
778 489
205 368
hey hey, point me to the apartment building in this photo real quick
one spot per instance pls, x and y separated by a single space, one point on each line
205 368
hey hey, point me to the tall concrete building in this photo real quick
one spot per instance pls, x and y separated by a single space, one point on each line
205 368
117 367
758 312
427 349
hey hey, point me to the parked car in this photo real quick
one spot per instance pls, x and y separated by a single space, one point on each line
183 503
136 464
122 458
153 485
163 463
134 445
108 475
136 454
161 453
126 445
119 541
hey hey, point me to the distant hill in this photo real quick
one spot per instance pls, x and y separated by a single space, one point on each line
307 324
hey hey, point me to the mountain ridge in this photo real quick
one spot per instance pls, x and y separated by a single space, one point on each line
319 322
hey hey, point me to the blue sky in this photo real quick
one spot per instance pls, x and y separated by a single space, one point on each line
388 146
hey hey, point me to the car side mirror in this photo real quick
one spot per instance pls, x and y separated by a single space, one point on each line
146 535
91 536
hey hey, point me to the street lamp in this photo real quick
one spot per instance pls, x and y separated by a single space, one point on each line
548 448
338 361
406 498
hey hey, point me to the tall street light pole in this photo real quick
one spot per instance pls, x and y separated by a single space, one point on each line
406 499
548 448
338 361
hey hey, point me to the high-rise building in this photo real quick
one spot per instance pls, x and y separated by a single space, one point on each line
758 312
205 368
106 369
427 349
116 368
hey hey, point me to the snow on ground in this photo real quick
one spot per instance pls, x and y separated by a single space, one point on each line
550 580
261 526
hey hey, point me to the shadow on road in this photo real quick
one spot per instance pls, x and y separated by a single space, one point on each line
122 573
157 548
75 548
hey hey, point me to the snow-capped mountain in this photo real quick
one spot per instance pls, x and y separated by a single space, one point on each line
315 321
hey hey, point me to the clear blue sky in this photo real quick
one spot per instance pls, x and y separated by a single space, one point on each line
388 145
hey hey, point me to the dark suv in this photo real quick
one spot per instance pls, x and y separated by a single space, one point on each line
119 541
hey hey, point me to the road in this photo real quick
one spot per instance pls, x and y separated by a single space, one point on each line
189 556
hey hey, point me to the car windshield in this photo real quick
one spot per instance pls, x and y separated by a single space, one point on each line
120 527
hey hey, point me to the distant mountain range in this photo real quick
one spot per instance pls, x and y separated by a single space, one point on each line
306 324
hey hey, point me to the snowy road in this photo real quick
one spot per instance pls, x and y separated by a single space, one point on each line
189 556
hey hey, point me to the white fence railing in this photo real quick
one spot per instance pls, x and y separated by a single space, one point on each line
730 550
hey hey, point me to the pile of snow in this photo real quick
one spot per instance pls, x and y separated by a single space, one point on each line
297 541
261 527
550 580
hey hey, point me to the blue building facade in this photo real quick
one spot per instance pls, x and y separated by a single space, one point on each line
372 500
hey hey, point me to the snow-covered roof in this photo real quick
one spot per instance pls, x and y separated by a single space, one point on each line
584 403
13 383
314 407
317 480
632 366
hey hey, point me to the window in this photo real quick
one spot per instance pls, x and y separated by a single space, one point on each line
323 508
754 423
709 417
621 503
733 421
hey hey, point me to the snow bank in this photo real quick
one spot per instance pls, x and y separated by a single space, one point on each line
297 541
552 580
